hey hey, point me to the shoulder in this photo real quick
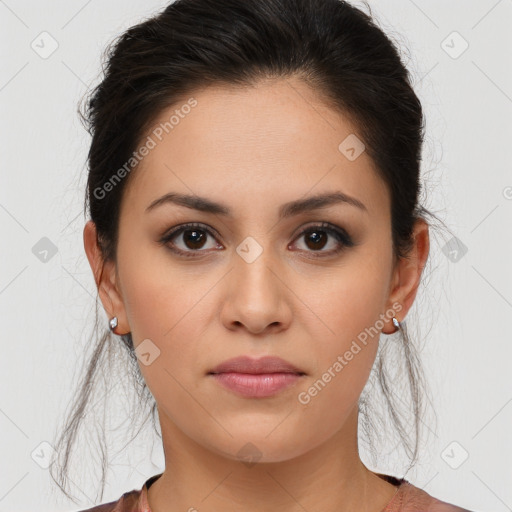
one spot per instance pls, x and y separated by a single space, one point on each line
414 499
128 502
132 501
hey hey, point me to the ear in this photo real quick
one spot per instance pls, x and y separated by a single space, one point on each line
105 278
407 274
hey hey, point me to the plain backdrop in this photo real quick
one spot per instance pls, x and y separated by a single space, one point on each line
459 53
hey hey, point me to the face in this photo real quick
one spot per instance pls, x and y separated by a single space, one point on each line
256 276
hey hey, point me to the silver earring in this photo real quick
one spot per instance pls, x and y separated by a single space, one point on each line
396 323
113 323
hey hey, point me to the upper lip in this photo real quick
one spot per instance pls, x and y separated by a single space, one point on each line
246 364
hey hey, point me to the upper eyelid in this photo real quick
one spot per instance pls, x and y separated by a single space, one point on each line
190 225
199 225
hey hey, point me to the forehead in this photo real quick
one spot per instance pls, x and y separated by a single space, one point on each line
275 138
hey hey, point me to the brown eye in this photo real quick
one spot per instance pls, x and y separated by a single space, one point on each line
189 239
193 238
317 237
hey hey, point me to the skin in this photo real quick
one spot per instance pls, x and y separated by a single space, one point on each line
254 149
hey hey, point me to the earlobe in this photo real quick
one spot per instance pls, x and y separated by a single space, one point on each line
408 272
105 278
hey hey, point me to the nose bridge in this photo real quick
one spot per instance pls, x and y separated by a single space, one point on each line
256 270
254 260
255 296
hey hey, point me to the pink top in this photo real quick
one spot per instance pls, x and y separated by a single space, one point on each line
408 498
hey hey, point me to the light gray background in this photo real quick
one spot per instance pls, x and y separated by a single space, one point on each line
46 305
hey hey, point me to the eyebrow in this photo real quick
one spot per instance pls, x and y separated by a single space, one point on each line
289 209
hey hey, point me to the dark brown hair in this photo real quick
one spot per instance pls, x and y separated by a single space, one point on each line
335 48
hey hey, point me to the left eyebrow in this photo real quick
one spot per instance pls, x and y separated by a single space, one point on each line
317 202
286 210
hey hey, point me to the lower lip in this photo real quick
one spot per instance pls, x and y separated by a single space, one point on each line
256 385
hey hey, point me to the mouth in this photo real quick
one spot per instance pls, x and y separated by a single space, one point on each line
249 365
256 378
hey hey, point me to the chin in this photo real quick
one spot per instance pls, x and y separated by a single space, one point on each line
261 447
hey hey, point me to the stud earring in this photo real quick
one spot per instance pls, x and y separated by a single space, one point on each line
396 323
113 323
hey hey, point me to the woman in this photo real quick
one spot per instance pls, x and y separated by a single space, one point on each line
253 187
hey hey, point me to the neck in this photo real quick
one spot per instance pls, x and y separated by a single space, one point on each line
328 477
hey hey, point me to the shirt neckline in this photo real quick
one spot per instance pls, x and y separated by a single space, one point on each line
400 484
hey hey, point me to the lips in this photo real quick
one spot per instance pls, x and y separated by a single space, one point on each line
263 365
256 378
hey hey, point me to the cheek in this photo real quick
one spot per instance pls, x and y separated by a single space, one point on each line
157 296
345 352
347 302
345 310
172 309
172 314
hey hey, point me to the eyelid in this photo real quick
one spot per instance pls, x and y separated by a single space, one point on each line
190 225
323 225
340 234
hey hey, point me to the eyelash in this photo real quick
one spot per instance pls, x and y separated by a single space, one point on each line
339 234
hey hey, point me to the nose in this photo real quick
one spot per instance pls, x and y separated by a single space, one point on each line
256 295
